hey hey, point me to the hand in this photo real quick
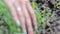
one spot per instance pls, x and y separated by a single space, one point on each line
23 14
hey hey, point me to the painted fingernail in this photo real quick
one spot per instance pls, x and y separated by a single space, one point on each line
18 23
36 28
24 32
31 32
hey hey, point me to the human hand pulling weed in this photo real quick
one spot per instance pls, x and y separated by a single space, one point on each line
23 14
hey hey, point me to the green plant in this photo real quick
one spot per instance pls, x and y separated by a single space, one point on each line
8 18
41 17
56 4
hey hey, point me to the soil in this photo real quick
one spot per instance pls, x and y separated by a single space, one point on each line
52 24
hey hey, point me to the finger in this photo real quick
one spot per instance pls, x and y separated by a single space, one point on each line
27 18
31 12
13 12
21 17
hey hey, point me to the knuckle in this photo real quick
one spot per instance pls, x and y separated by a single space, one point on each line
21 15
32 14
27 17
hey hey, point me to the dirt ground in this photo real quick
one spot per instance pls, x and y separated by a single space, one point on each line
52 24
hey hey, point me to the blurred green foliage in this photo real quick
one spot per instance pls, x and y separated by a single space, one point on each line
41 18
8 18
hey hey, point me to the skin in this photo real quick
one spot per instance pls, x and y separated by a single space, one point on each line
23 14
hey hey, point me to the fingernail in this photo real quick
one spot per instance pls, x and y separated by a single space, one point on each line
36 28
18 23
24 32
31 32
